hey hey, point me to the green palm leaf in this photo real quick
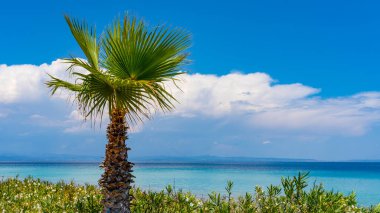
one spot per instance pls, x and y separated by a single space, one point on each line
126 68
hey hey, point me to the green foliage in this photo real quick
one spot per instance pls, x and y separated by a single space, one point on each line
34 195
125 68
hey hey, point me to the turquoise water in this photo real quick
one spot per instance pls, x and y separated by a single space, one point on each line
363 178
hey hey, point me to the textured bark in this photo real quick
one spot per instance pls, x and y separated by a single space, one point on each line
116 180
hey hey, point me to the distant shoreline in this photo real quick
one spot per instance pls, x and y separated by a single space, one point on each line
197 162
71 159
282 165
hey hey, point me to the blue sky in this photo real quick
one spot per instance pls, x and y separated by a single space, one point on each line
322 55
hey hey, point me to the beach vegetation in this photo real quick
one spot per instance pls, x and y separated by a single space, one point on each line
293 195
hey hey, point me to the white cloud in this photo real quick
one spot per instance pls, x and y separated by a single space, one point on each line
19 83
232 93
76 116
346 116
25 83
73 123
266 142
253 98
76 129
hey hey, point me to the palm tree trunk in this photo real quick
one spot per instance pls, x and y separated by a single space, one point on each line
116 180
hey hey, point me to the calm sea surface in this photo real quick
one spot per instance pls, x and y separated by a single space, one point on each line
363 178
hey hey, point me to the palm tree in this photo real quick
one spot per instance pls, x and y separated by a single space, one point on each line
125 71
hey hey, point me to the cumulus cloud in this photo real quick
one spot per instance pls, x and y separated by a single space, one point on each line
255 99
19 83
25 83
233 93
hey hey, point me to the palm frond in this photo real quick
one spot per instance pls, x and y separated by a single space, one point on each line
132 51
55 83
80 63
86 38
131 71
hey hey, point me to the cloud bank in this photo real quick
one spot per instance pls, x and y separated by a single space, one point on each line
255 99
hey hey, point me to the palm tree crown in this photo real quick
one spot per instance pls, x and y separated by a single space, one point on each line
126 67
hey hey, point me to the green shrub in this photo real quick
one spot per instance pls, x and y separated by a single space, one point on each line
35 195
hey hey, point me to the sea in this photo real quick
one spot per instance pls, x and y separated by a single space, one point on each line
201 178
